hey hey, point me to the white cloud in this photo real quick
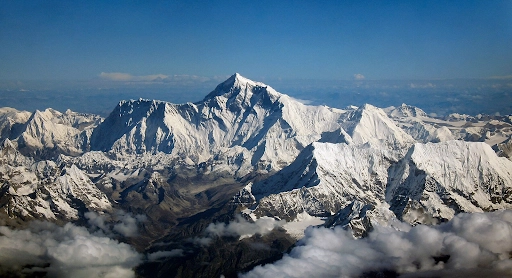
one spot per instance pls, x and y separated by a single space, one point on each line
243 228
240 228
68 251
120 222
164 254
117 76
182 79
202 241
359 76
476 245
120 76
421 86
128 225
505 77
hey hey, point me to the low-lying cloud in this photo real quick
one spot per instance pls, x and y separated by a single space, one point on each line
73 251
128 225
239 228
473 245
159 255
68 251
242 228
120 222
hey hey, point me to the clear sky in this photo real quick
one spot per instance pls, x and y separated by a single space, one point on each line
69 40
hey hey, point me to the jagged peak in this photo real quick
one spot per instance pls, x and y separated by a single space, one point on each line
38 115
7 144
137 106
46 115
237 84
368 107
406 110
240 80
365 110
139 101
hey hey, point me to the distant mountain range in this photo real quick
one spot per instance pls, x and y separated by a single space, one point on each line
247 152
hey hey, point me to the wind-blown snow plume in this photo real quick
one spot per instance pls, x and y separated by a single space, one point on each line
68 251
477 244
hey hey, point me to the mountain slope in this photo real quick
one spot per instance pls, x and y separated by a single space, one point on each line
369 124
10 122
442 179
45 190
323 179
48 133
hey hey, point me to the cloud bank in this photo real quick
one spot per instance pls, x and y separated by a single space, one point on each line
73 251
121 76
68 251
471 245
182 79
358 76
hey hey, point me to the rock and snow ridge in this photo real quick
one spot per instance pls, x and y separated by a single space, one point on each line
430 184
44 190
48 133
438 180
323 179
327 158
178 163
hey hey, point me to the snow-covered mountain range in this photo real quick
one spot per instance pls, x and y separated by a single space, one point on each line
248 146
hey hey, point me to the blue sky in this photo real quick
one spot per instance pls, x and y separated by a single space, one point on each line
78 40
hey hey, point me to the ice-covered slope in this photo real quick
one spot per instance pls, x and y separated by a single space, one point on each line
416 123
370 124
442 179
431 183
324 178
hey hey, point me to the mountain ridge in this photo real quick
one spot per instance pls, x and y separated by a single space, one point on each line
248 150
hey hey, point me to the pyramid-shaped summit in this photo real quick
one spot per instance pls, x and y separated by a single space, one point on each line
237 84
240 117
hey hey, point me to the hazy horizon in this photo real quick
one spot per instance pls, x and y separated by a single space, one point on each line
437 97
87 56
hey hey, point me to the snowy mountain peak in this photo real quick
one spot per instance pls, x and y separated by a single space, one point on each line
239 87
370 124
409 111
